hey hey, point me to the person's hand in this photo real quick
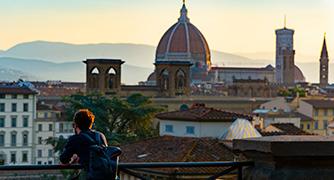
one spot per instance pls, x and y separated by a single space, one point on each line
74 159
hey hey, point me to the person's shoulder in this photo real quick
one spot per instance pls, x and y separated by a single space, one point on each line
73 137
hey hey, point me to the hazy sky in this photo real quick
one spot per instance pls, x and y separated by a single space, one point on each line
235 26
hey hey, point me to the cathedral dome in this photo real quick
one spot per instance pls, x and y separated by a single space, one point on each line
299 76
184 42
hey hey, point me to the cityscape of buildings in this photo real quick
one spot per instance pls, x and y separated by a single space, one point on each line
206 106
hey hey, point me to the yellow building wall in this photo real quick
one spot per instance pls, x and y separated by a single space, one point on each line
319 116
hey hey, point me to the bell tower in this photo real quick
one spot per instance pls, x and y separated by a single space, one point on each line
103 76
285 61
173 78
324 65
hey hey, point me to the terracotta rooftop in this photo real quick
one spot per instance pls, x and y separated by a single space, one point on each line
202 113
284 129
43 107
320 103
177 149
303 117
15 90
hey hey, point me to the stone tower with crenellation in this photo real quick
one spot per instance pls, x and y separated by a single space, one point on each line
285 57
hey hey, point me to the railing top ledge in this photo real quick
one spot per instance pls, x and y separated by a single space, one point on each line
132 165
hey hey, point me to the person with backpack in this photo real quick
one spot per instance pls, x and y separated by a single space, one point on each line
90 149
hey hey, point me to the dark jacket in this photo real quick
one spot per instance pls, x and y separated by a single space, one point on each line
79 144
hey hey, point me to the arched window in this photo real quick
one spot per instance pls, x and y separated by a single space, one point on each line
180 80
95 70
110 78
95 80
165 79
111 71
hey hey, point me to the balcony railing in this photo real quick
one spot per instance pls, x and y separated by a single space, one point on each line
132 169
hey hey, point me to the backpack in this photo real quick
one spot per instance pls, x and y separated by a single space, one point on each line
102 160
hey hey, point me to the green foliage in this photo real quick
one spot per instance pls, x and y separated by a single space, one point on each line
292 92
57 143
119 119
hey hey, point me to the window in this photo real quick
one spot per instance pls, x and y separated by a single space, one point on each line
308 126
2 139
39 162
14 107
40 140
25 139
25 107
2 122
45 115
50 127
50 153
325 124
24 156
26 96
40 128
190 130
39 153
169 128
14 96
13 139
61 127
25 121
49 162
2 96
315 112
2 107
14 122
316 125
13 157
325 112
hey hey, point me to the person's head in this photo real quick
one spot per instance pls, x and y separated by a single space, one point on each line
83 119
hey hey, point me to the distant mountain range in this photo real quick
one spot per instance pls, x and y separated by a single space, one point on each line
32 69
42 60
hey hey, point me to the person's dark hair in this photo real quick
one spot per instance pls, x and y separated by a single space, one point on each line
84 119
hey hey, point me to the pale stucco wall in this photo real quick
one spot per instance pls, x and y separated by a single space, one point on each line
202 129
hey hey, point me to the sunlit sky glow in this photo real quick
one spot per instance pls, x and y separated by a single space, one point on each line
234 26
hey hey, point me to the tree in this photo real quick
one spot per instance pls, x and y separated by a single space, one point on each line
119 119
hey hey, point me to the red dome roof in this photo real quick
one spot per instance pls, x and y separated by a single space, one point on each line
299 76
183 41
180 37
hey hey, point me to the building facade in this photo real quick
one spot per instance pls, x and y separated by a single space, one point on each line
17 114
49 123
197 121
228 74
322 113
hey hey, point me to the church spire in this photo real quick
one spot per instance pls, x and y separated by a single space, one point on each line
324 53
184 13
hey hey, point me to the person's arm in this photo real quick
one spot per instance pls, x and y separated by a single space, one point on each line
69 151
